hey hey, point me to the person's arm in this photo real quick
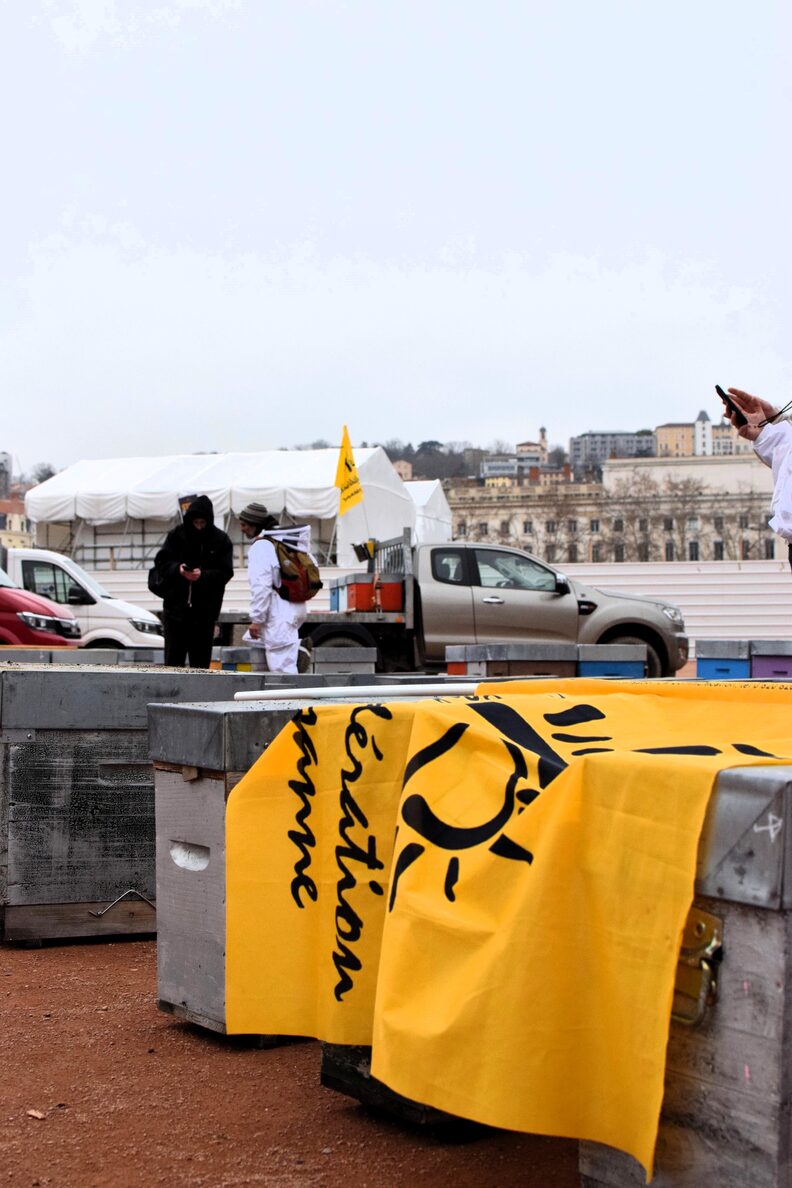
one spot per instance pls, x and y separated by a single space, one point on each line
168 562
262 563
222 569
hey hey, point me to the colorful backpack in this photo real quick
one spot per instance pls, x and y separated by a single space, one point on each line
300 579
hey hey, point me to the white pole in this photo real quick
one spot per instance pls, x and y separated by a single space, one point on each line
359 692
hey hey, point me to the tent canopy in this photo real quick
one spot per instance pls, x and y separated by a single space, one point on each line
433 521
300 483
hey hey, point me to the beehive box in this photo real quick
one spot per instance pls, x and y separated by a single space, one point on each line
327 660
200 752
77 795
723 659
771 659
539 658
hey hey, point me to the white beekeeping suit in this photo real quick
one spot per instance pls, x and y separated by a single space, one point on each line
278 620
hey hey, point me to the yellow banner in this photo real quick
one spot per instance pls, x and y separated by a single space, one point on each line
491 891
346 478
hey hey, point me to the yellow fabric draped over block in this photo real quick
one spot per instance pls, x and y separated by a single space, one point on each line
491 890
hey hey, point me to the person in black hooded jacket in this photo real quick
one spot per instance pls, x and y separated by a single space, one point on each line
194 566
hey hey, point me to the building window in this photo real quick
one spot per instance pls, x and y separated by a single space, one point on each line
618 526
692 523
551 527
693 550
643 525
594 526
550 552
668 526
643 550
618 552
462 528
669 550
742 522
717 524
571 525
483 529
505 525
572 553
527 527
717 550
745 550
769 548
596 551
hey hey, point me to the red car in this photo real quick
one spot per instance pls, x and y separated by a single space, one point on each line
28 620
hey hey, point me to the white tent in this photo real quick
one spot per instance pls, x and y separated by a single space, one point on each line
296 484
433 524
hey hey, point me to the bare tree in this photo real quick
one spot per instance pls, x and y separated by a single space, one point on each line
42 471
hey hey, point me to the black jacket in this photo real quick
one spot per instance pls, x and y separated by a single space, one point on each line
208 549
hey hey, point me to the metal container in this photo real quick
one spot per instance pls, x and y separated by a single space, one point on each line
200 752
77 795
539 658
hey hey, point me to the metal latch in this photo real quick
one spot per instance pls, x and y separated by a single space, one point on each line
696 984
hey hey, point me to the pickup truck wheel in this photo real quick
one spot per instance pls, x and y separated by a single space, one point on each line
338 641
653 666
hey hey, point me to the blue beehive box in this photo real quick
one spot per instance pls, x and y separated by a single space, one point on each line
723 659
612 660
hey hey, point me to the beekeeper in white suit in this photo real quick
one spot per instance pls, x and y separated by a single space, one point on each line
274 623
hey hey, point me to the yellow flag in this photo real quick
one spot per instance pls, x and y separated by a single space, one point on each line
491 891
346 478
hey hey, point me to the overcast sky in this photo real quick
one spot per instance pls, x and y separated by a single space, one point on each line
238 224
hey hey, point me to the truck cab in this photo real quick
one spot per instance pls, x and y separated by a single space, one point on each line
486 593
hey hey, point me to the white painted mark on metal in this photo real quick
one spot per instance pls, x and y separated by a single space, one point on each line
747 1072
773 827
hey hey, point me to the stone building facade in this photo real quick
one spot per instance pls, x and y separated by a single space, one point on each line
686 509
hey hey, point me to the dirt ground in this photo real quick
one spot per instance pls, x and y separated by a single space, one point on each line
99 1088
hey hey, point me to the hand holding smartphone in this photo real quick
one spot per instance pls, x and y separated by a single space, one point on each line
735 415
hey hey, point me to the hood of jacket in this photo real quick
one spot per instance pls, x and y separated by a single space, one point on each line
200 509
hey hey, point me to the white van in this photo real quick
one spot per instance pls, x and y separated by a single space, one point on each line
106 622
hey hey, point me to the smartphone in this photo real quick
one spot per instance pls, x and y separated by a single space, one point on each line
731 408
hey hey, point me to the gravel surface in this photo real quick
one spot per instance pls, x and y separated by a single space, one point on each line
99 1088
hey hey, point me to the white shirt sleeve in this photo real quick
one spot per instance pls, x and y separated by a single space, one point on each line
774 447
263 574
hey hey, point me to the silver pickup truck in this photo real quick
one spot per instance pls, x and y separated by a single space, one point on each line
464 593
